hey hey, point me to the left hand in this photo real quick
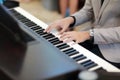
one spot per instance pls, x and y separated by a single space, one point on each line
78 37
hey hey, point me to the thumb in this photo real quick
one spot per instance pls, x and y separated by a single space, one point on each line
77 41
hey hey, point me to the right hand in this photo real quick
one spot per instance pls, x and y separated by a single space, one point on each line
61 25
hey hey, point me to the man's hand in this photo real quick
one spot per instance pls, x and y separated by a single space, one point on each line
78 37
61 25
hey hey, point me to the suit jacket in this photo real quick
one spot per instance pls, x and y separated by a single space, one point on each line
106 22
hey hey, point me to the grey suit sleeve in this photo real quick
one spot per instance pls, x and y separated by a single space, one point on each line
85 14
107 35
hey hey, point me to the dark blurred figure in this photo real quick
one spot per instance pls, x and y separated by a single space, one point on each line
68 7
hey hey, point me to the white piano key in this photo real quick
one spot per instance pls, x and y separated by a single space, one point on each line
49 38
58 44
65 48
75 55
80 61
94 68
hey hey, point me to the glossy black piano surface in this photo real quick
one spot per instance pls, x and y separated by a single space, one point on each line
38 61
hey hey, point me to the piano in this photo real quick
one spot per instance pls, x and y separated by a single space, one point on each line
76 53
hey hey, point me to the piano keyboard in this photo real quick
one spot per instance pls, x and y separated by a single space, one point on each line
76 52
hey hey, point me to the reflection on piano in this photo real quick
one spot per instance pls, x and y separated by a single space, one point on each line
75 52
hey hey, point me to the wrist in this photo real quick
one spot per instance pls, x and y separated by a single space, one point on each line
87 33
73 20
91 33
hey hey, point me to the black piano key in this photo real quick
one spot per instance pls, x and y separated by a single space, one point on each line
53 40
100 69
91 65
57 42
20 18
73 53
18 15
39 31
36 28
13 11
24 20
30 24
87 63
42 33
69 50
48 36
62 46
80 57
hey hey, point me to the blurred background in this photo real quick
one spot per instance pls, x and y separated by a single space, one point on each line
49 10
41 9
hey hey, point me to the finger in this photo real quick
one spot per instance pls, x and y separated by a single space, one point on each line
68 40
64 37
58 28
65 34
47 29
77 41
62 30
